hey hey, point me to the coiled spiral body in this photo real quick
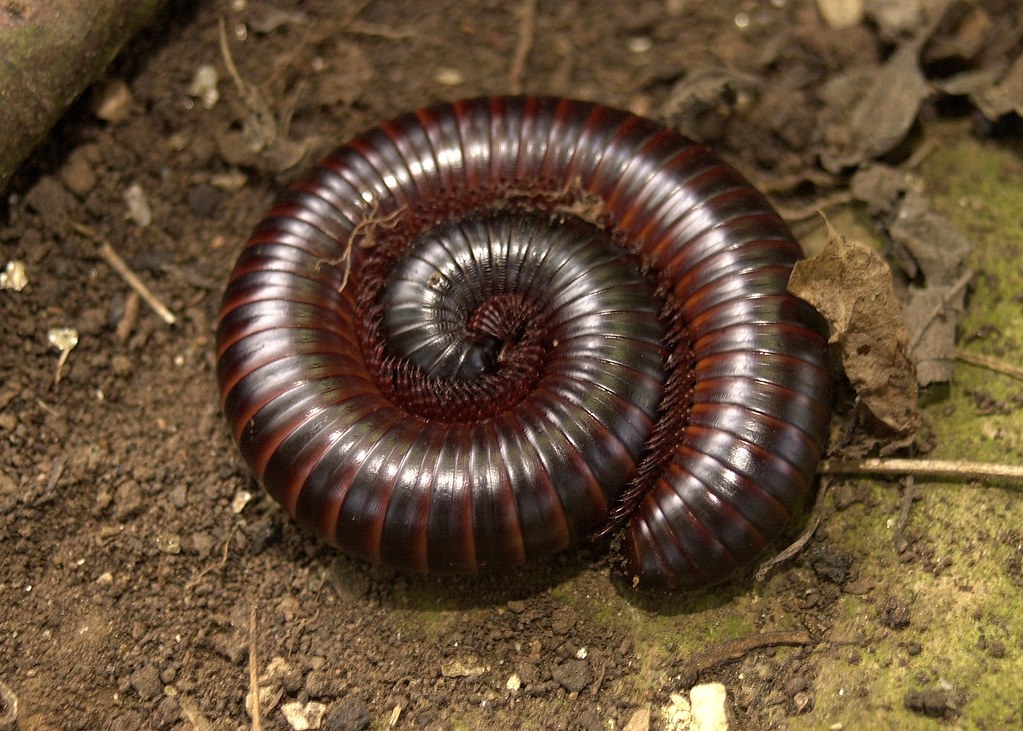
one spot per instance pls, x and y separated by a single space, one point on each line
485 330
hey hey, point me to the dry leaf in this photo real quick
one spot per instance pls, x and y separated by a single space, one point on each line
931 316
931 253
928 242
928 246
880 187
701 103
1005 96
881 117
851 285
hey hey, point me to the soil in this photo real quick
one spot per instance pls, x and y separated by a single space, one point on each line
141 565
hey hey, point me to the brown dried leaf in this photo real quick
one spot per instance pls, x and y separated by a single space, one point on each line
928 242
931 316
881 117
851 285
931 253
928 245
1006 96
701 103
962 33
879 186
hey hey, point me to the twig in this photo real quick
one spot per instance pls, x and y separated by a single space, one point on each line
800 543
801 213
118 265
227 545
907 504
257 723
288 111
984 361
129 319
736 649
956 469
527 33
261 124
48 409
213 567
599 682
380 31
225 53
395 715
48 495
68 344
921 153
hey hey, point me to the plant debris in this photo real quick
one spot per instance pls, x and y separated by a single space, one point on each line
930 254
872 109
851 285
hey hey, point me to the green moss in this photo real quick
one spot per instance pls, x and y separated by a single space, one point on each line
964 581
961 585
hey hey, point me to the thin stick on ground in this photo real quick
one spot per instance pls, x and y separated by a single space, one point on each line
802 213
527 34
994 364
907 505
225 53
907 468
257 723
118 264
736 649
954 469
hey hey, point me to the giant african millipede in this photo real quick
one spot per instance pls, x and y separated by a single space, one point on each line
484 331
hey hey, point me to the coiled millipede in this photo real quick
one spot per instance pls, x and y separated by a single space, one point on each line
486 330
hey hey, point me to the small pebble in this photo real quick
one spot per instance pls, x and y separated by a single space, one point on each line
111 101
139 210
78 174
639 720
348 714
14 277
449 77
204 86
709 706
841 13
146 682
640 44
168 543
304 716
572 675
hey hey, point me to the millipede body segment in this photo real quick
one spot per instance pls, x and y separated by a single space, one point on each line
484 331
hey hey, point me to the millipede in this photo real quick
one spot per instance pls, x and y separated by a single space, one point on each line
488 330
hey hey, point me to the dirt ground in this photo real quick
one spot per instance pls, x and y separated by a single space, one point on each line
140 565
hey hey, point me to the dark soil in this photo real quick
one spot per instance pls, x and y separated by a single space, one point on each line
133 560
